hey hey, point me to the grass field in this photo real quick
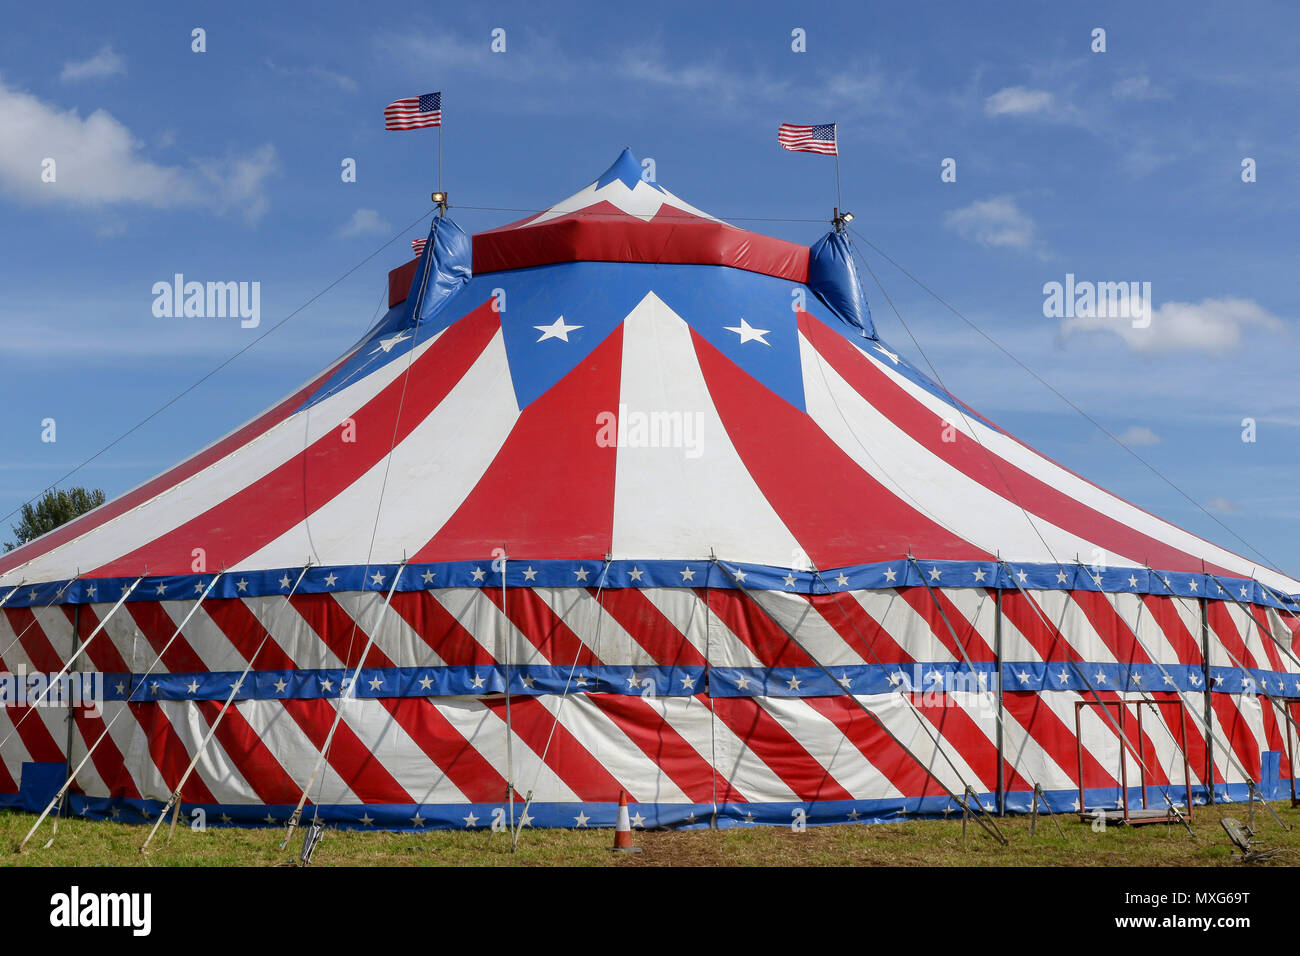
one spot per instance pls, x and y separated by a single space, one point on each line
912 843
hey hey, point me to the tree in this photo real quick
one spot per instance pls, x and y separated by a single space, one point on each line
54 508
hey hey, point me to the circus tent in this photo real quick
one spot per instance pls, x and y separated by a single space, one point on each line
621 497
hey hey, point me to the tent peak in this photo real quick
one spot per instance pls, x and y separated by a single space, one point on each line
628 169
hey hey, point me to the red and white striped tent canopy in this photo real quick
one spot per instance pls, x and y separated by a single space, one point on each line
656 482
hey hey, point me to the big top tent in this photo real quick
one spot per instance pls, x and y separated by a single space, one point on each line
621 498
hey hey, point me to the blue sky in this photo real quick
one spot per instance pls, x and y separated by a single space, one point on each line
225 165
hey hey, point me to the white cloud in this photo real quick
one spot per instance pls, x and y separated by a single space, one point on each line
316 74
1223 506
364 222
240 181
1137 435
997 221
1138 87
1019 101
104 63
98 161
1211 325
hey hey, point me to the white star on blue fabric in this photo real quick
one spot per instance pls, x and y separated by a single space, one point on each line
559 329
386 345
748 333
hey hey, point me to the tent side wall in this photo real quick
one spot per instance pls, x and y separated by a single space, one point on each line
696 700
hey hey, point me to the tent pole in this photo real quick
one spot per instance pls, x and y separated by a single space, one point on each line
970 665
510 764
72 774
1209 700
234 689
344 694
987 824
31 708
555 722
997 657
72 719
713 716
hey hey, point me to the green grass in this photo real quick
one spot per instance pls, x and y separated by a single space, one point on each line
912 843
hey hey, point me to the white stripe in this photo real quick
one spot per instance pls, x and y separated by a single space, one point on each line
486 733
918 477
211 485
671 505
1031 462
421 487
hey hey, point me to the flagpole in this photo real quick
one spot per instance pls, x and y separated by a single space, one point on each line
838 198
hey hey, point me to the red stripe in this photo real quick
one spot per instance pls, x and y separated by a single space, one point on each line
436 626
957 730
882 751
648 626
355 763
975 461
168 479
455 756
158 627
752 625
1037 627
1259 616
33 641
646 728
245 632
107 758
1187 648
1110 627
260 512
1235 726
1056 738
34 734
855 624
1224 628
567 757
923 602
855 519
102 652
338 630
253 759
1171 710
543 628
778 749
169 753
549 493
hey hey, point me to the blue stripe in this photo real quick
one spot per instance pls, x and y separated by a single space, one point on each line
655 574
480 816
931 680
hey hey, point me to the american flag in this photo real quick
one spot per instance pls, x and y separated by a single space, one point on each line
418 245
414 112
808 139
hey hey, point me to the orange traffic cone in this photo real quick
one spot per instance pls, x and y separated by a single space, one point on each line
623 828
